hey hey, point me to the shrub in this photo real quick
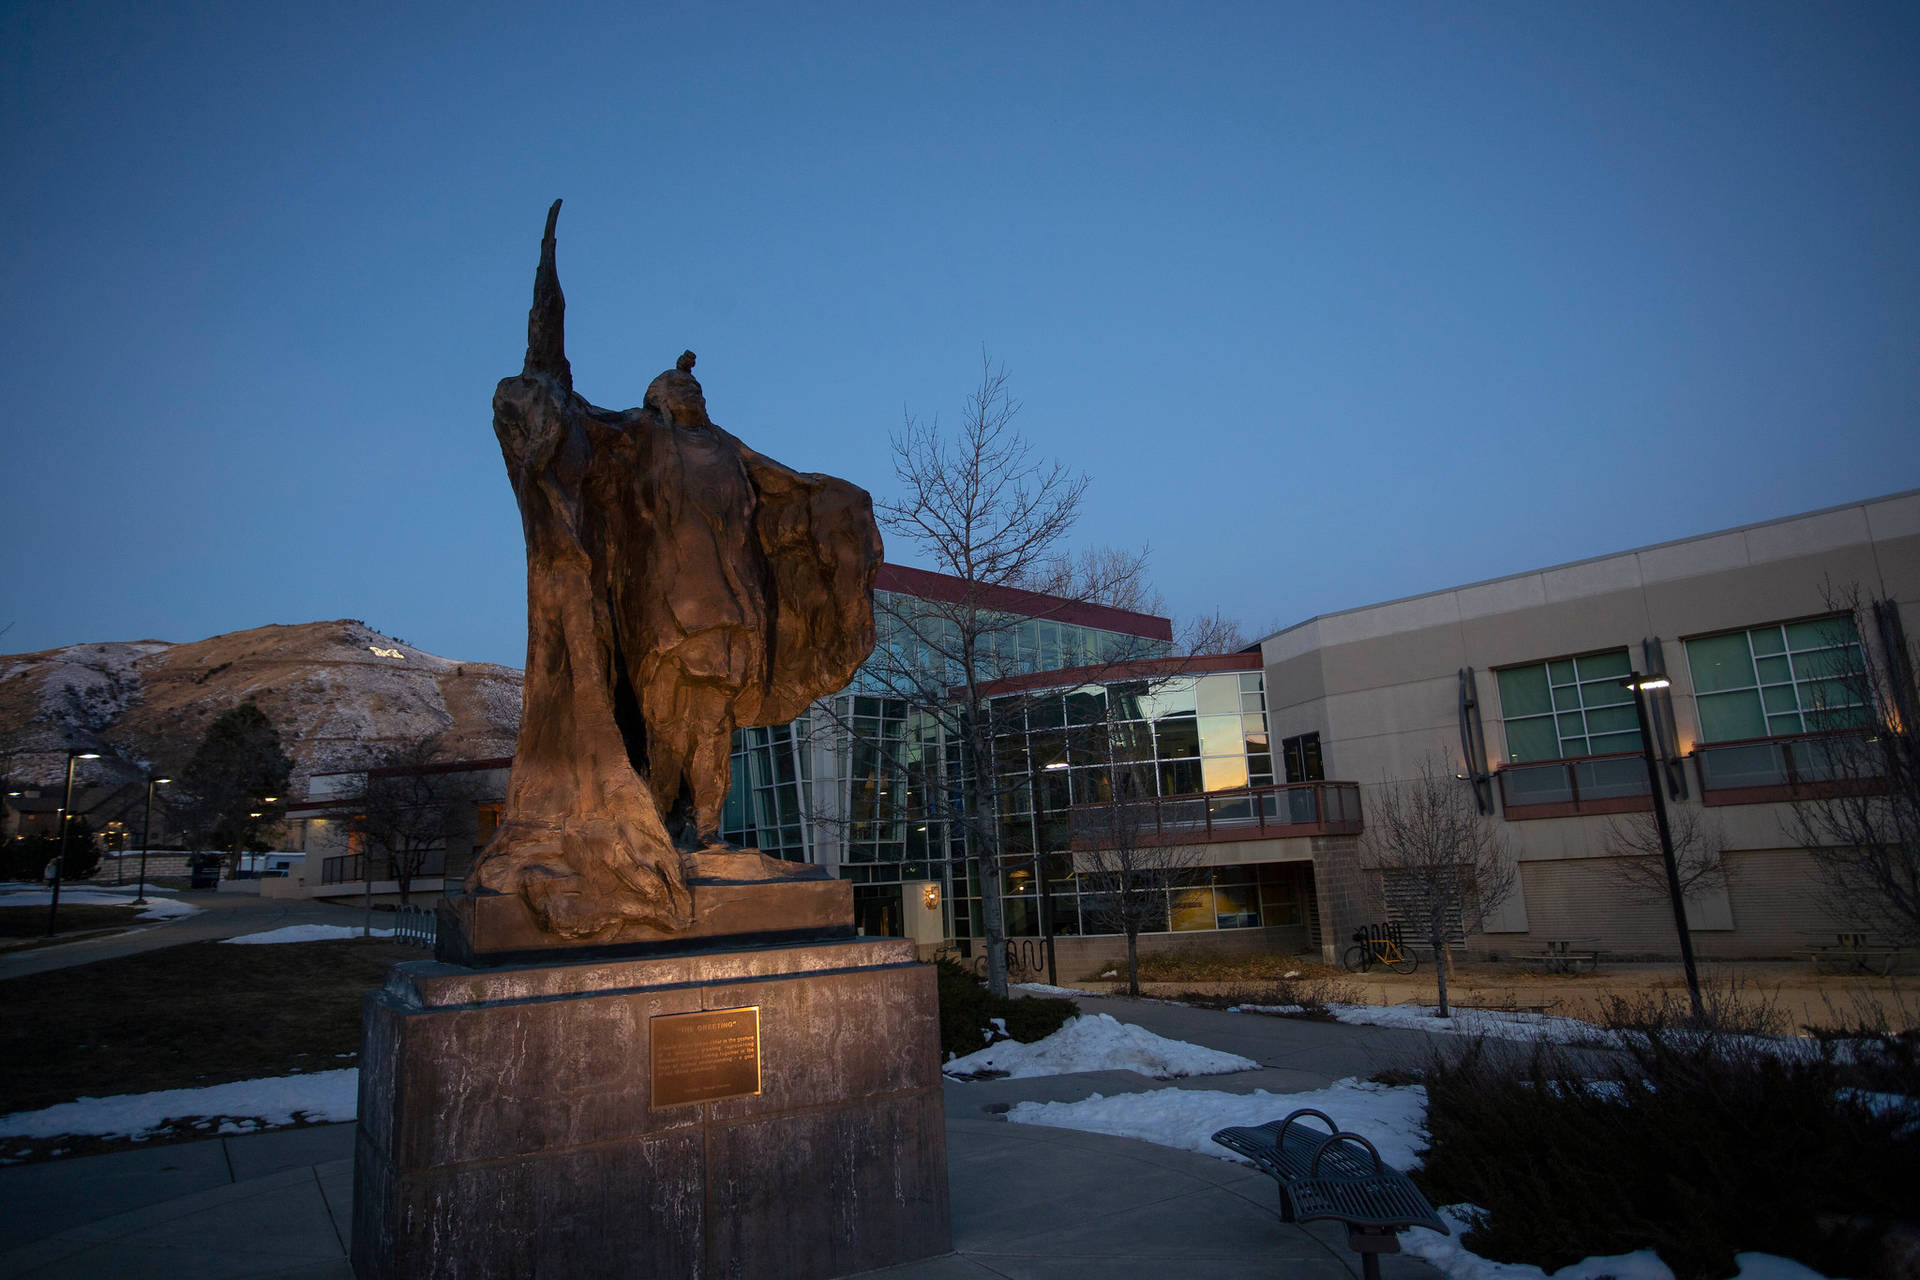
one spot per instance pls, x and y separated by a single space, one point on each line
1696 1146
1310 995
967 1011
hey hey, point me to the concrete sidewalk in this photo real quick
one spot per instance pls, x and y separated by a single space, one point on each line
1027 1201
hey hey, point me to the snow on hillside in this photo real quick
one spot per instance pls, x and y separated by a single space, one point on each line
338 692
91 685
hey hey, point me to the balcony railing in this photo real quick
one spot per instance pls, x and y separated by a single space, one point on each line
1250 813
1564 788
1765 770
351 868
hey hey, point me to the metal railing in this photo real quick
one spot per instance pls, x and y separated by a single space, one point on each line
351 868
416 926
1785 762
1289 809
1600 784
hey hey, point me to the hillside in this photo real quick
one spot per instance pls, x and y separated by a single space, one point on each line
336 691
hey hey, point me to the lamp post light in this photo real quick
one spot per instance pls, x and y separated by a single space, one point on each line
146 834
74 755
1640 685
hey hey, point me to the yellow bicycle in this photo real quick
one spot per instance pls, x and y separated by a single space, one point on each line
1375 945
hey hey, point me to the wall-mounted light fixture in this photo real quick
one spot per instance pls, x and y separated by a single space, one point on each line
930 897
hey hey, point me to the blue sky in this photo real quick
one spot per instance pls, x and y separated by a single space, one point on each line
1335 302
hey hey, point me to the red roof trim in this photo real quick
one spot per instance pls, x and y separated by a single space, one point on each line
1069 677
947 589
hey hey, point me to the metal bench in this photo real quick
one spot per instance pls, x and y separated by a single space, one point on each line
1335 1175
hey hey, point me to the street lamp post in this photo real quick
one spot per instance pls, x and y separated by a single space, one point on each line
1640 685
66 825
146 834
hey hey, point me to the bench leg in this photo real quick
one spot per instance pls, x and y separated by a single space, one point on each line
1370 1245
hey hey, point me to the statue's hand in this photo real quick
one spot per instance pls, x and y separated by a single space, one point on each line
528 422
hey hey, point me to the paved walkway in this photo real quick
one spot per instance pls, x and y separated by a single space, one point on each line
222 915
1027 1201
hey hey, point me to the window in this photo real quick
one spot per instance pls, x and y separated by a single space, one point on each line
1799 677
1568 708
1302 755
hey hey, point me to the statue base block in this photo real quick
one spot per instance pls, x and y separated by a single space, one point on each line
482 929
770 1112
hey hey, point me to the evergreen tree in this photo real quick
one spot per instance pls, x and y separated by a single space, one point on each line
234 787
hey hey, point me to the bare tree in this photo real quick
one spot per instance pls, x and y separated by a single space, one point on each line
1099 575
1857 805
1127 869
404 806
1211 633
1639 868
981 507
1444 867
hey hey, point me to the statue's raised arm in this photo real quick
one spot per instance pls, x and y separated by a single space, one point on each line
547 319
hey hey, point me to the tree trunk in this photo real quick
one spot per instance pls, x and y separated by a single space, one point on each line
1133 962
1441 965
993 923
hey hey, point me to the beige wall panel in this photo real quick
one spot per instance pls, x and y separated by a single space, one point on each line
1282 646
1608 576
1561 630
1807 535
1502 595
1693 559
1437 609
1750 826
1899 560
1709 909
1408 707
1752 596
1897 517
1391 757
1294 682
1393 659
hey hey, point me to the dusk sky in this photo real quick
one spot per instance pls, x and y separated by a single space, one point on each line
1335 302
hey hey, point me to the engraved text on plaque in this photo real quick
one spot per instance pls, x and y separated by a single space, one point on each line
699 1057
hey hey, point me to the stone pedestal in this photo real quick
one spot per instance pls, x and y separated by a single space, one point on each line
515 1121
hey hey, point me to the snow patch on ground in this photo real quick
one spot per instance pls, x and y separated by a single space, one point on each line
1042 989
274 1100
1494 1024
1392 1117
1453 1259
1099 1042
301 933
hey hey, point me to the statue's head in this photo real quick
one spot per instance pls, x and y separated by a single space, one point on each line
676 396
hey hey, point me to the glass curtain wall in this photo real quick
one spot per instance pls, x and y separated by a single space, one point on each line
1181 735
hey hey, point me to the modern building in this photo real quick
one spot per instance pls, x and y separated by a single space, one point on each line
1257 770
1514 684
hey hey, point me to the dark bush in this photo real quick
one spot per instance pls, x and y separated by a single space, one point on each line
1695 1146
967 1011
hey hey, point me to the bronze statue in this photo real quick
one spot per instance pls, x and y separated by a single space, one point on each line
679 585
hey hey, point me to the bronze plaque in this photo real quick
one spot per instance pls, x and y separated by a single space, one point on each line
700 1057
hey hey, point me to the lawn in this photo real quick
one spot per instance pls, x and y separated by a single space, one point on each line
199 1014
81 917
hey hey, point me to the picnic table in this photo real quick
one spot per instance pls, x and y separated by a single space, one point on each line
1566 955
1855 952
